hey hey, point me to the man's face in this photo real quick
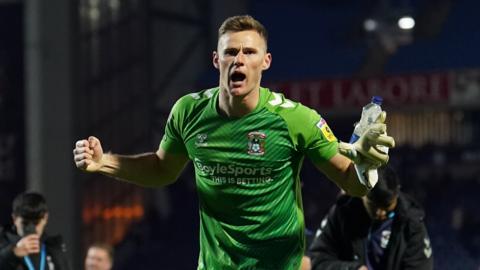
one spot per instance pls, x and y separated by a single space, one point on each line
97 259
379 212
241 57
20 223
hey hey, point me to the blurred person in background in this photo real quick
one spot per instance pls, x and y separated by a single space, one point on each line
247 145
25 245
383 230
99 257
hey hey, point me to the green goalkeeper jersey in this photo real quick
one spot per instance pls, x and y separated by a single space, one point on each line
247 176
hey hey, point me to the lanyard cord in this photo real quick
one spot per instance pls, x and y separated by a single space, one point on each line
29 263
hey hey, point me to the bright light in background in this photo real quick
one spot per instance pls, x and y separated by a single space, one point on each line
406 23
370 25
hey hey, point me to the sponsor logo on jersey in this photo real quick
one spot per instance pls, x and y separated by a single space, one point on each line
233 174
326 131
230 169
256 143
201 140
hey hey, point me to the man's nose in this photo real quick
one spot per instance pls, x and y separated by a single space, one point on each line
239 59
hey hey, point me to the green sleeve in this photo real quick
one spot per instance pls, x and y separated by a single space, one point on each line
318 142
309 132
172 141
323 144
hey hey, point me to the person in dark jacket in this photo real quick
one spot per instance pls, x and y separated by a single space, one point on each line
383 230
25 246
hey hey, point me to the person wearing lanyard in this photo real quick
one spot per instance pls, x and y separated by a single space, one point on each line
383 230
26 246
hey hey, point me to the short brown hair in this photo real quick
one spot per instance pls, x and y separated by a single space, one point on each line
243 23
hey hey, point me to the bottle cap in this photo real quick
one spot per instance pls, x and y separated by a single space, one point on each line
377 100
354 138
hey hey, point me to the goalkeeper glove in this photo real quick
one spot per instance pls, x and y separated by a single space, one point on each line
369 152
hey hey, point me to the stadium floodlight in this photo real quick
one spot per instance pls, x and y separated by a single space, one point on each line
406 23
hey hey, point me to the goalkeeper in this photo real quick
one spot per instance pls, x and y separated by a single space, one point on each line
247 144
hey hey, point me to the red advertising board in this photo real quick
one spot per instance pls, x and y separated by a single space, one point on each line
460 88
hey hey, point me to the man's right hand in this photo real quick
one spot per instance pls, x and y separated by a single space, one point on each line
368 148
27 245
88 154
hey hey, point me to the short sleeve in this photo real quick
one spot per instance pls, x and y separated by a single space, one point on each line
323 144
172 141
309 132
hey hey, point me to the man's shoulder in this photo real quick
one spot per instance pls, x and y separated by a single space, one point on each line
411 208
198 97
6 229
7 236
289 110
55 241
279 103
193 102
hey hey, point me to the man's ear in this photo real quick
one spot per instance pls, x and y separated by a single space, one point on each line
215 59
267 61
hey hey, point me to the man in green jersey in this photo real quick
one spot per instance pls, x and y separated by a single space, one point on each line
247 145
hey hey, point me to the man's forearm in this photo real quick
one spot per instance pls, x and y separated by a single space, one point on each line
142 169
353 185
341 170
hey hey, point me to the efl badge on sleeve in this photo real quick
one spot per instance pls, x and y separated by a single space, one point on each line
326 131
256 143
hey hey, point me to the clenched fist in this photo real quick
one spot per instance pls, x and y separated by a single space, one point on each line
88 154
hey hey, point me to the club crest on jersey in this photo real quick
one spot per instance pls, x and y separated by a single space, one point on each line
385 238
256 143
201 140
326 131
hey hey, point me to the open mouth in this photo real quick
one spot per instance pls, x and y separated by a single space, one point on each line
237 76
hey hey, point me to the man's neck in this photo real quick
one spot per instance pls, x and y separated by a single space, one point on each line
232 106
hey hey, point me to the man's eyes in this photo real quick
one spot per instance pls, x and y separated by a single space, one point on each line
235 52
231 52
